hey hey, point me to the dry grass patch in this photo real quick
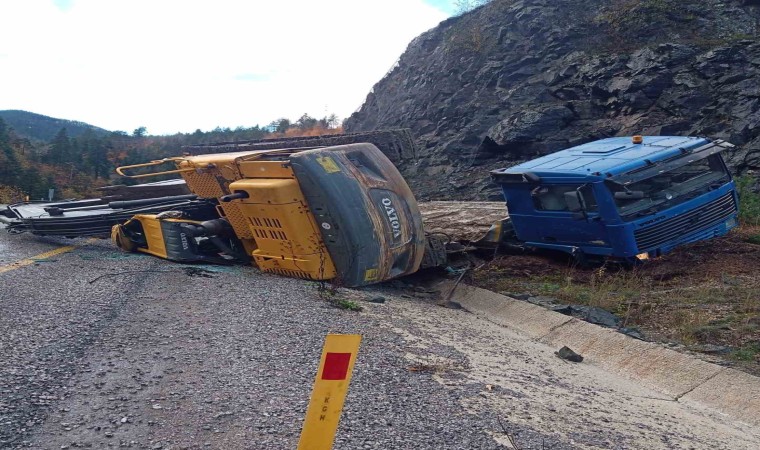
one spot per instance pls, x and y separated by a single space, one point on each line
705 295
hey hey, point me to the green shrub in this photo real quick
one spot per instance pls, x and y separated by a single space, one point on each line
330 293
749 200
747 352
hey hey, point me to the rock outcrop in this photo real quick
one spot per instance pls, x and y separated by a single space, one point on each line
515 79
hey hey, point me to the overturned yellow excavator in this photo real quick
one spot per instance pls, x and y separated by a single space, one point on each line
339 212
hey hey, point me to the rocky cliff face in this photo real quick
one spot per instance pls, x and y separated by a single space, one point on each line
516 79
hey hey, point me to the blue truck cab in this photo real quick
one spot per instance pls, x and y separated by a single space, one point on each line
624 198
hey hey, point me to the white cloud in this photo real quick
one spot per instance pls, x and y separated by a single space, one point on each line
178 65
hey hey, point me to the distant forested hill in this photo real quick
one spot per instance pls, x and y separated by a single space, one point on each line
38 153
44 128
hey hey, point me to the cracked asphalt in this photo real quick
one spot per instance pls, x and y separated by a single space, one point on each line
102 349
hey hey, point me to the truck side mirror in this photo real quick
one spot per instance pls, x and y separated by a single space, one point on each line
574 201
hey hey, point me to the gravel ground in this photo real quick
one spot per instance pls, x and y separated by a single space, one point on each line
543 402
103 349
11 251
187 357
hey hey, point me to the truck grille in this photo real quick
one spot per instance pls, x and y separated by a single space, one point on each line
709 215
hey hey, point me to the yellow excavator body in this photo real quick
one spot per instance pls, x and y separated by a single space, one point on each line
318 213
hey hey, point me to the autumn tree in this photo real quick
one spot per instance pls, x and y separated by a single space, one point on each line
280 125
60 148
306 122
331 121
94 150
13 174
9 164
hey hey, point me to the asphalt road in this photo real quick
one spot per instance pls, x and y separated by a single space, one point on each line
103 349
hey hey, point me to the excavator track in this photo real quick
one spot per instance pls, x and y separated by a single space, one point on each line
398 145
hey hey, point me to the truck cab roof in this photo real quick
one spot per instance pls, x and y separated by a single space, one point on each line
605 158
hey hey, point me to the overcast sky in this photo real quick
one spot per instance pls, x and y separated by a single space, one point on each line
178 65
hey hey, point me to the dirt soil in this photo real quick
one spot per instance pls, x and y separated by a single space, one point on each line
703 297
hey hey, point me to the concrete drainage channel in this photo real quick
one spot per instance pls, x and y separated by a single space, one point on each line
681 377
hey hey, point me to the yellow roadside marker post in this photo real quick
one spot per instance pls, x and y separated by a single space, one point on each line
330 388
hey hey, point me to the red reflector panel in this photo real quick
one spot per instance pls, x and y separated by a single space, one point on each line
336 366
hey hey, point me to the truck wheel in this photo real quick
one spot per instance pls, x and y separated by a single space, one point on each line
580 259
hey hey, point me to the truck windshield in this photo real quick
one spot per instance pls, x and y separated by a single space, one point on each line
670 188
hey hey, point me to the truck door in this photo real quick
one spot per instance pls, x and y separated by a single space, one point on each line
554 222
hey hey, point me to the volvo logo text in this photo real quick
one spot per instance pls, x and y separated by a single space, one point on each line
392 217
